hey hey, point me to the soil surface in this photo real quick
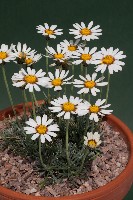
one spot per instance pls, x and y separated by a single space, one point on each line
20 175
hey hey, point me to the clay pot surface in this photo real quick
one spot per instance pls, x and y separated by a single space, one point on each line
114 190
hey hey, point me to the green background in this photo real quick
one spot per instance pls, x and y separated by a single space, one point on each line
18 19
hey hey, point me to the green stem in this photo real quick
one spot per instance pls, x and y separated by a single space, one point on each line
35 99
59 93
83 160
33 106
48 95
87 123
85 43
73 72
8 90
41 160
88 115
92 128
85 73
26 100
47 69
45 95
40 154
24 104
86 70
47 57
107 92
89 97
82 71
25 96
81 68
101 89
72 78
65 89
67 145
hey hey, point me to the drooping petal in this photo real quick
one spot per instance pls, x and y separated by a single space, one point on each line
35 136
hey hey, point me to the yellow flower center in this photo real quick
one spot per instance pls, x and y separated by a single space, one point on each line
22 55
85 57
85 31
94 109
3 55
72 48
41 129
108 60
68 107
56 82
89 84
92 143
49 32
30 79
28 61
58 56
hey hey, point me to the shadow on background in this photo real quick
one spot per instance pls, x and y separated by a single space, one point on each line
18 20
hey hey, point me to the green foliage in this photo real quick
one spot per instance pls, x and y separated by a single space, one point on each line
53 153
17 141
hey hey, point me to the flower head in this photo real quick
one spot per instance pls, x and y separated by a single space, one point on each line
49 31
21 52
109 59
65 64
41 127
94 110
86 32
30 79
71 46
59 55
85 56
30 60
6 54
89 84
65 106
92 140
58 80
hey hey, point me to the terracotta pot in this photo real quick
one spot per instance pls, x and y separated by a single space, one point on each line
115 190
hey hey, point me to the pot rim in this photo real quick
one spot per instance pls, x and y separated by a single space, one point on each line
108 188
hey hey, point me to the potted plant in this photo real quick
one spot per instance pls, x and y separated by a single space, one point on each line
69 132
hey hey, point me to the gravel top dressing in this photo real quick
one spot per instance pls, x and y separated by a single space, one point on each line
20 174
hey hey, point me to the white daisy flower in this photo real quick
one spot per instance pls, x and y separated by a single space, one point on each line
89 84
59 55
58 80
42 128
92 140
95 110
86 32
65 63
30 79
30 60
85 55
71 46
6 53
21 52
65 106
109 59
49 31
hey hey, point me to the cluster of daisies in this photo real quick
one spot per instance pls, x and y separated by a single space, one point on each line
67 53
20 54
109 59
